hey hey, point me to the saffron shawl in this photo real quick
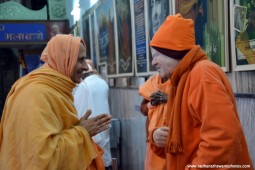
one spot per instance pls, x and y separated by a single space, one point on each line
172 115
37 128
209 129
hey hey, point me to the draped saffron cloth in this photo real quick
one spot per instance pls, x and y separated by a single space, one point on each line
172 115
37 129
202 117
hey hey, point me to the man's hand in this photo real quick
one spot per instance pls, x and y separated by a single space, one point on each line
144 108
95 124
160 136
158 98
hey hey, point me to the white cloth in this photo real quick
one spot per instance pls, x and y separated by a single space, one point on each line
92 93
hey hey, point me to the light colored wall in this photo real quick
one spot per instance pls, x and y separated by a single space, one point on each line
246 110
124 105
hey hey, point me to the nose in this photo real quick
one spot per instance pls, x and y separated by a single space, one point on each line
85 66
154 61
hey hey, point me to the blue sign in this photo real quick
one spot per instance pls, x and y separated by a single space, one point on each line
141 59
22 32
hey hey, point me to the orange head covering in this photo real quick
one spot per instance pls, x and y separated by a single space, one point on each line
61 53
176 33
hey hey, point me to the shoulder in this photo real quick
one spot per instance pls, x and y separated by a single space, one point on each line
205 64
206 71
34 93
95 81
80 87
153 80
94 78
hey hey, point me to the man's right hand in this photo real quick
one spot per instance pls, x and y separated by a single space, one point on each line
160 136
95 124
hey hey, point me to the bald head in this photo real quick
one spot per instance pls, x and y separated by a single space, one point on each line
90 62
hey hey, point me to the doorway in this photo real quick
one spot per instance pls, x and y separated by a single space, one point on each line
9 73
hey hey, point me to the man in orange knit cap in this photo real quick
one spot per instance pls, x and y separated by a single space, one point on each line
39 127
200 128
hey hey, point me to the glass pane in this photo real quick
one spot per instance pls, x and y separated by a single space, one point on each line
210 25
158 10
244 33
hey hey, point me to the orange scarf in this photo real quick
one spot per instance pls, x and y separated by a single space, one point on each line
172 115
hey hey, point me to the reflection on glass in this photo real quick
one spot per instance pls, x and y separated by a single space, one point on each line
124 36
210 24
105 35
93 42
158 10
244 26
86 34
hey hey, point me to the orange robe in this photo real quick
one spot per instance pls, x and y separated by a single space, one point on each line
155 116
211 133
37 129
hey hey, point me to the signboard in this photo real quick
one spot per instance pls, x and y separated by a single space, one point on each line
31 31
140 37
22 32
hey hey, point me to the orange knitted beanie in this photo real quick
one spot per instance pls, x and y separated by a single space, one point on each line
176 33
